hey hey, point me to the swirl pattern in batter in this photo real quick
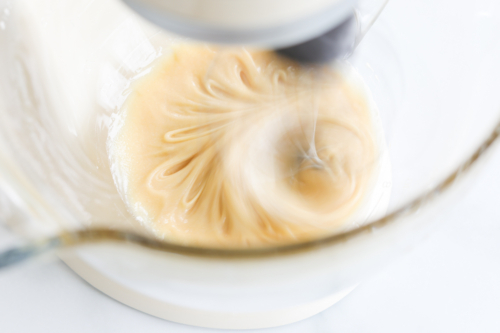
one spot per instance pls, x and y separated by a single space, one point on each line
231 147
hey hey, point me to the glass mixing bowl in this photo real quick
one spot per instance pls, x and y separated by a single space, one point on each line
431 68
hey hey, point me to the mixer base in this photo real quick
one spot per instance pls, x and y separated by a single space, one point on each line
191 316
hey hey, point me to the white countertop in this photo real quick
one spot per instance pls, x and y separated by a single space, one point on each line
449 283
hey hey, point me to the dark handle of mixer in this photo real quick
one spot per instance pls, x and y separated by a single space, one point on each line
338 43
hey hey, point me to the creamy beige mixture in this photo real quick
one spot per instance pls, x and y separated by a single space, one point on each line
235 147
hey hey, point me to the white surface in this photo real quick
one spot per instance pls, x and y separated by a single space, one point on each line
447 284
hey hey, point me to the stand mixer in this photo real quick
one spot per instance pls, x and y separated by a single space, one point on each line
312 31
216 293
67 63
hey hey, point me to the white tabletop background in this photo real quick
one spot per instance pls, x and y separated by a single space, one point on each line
449 283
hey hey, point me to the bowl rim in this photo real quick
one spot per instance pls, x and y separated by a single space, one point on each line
84 236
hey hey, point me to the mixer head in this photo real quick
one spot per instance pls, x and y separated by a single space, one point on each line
308 31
